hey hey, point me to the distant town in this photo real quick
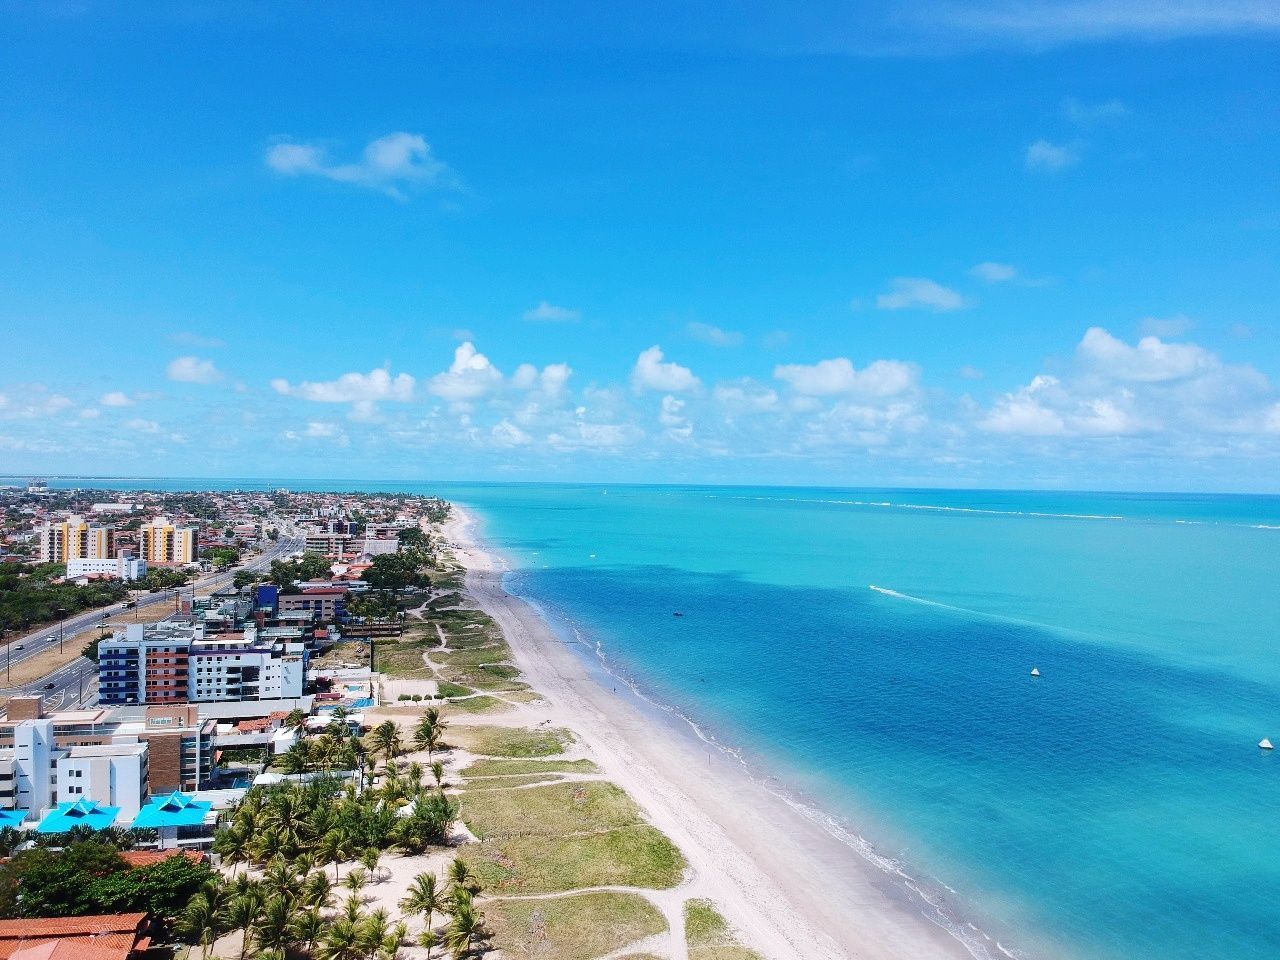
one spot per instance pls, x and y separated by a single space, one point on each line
171 644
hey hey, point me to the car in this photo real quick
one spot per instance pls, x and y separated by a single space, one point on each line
21 646
52 638
50 685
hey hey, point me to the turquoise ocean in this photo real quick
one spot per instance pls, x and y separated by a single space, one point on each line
870 651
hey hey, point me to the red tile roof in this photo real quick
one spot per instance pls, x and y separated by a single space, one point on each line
104 937
145 858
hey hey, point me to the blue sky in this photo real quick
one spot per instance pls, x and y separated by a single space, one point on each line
1009 244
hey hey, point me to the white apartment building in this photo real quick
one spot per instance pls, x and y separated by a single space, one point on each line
122 567
248 667
114 774
32 765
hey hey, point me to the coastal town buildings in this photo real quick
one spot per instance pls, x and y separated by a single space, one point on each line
124 567
73 539
163 543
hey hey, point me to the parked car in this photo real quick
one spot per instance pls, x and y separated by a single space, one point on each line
50 685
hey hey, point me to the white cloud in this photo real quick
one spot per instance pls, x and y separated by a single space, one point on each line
469 377
1174 326
671 416
368 387
551 380
193 370
90 413
652 373
387 164
116 398
746 395
971 373
907 293
34 402
1087 114
1179 391
143 426
546 312
992 272
716 337
1047 156
1151 361
880 378
507 434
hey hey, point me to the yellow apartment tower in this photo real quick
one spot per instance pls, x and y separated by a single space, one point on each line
161 542
75 539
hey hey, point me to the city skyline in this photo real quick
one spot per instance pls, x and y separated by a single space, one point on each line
1009 246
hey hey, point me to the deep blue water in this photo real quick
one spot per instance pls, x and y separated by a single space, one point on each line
1116 807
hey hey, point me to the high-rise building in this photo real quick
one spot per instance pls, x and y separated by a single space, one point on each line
161 542
75 539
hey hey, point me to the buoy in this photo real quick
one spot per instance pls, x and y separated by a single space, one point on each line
1035 671
1265 744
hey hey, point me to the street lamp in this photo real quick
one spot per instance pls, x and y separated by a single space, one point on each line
3 631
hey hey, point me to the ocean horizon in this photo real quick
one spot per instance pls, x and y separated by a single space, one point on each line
871 650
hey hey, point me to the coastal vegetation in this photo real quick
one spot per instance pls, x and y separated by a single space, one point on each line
709 936
32 596
580 927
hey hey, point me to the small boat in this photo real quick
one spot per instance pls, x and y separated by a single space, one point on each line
1265 744
1035 671
677 614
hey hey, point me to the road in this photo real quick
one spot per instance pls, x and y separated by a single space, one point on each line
77 681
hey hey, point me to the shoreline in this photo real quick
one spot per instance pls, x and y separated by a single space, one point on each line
793 888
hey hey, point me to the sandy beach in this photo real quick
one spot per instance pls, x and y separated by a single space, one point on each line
791 888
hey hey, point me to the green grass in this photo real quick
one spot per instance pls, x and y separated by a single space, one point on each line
473 657
556 810
478 705
709 936
572 928
509 741
636 856
446 689
502 768
494 677
523 696
504 783
400 659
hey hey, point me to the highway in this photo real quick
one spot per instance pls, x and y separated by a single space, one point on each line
77 682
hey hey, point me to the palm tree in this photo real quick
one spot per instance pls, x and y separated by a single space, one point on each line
465 926
242 914
341 941
335 847
424 897
429 731
378 936
317 891
437 771
200 922
461 877
279 877
369 859
297 759
385 739
308 927
296 720
275 930
232 845
355 880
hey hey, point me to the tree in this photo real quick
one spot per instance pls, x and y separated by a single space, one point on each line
309 927
385 739
275 930
296 720
465 927
200 923
56 883
414 538
369 860
341 941
427 822
160 889
429 732
242 914
424 898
